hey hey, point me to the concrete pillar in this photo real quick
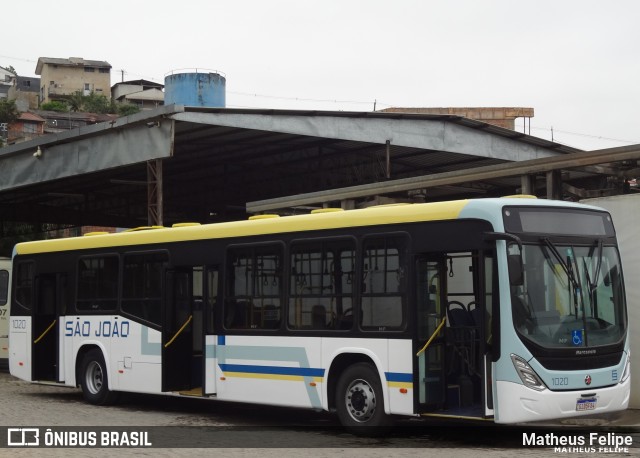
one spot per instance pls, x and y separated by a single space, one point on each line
528 185
554 185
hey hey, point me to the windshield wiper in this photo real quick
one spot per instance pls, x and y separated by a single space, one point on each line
576 283
566 267
593 284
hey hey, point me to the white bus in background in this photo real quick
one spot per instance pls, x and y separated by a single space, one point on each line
5 295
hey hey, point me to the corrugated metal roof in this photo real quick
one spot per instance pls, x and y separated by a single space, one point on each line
27 116
215 160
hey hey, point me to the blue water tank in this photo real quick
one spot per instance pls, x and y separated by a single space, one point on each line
195 89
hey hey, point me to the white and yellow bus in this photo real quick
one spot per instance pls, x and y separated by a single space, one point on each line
5 295
507 310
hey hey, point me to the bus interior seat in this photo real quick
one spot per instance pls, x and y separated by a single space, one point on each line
458 314
236 315
270 317
475 313
345 320
318 317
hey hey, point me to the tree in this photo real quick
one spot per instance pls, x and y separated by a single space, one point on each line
10 69
76 101
97 103
92 103
8 111
55 105
127 109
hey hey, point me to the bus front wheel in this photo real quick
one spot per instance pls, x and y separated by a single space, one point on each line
94 379
359 400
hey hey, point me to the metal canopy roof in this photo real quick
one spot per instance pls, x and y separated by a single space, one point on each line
215 161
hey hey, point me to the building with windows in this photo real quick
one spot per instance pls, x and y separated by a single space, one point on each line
145 94
61 78
25 91
6 78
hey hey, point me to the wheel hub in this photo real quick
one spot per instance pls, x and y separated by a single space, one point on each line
360 400
94 377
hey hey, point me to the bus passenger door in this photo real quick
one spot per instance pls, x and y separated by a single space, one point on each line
454 340
177 332
431 341
45 348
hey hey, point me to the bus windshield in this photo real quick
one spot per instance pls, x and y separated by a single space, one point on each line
571 296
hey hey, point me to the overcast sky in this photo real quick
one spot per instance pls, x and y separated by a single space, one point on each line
576 62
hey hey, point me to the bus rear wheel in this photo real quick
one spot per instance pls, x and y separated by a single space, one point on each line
359 400
94 379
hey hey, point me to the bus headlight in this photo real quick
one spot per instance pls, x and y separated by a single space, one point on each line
527 374
627 369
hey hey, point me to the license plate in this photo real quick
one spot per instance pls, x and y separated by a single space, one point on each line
586 404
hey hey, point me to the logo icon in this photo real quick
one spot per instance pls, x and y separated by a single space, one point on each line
23 437
587 380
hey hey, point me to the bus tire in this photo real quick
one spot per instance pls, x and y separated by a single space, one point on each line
360 402
94 379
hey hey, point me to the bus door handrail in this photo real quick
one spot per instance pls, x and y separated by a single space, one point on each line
433 336
45 331
179 331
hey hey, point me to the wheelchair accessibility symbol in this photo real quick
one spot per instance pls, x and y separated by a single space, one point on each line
576 337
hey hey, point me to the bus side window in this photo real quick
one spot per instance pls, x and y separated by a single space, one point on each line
142 285
321 284
97 283
384 267
254 287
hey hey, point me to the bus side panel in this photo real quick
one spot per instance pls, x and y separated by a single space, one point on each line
135 358
393 361
377 350
80 331
211 364
131 351
284 371
399 377
20 350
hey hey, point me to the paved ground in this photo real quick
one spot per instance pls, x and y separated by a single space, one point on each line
241 430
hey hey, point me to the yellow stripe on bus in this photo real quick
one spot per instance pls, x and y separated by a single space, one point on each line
372 216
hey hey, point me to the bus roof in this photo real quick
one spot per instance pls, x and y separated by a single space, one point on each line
273 224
